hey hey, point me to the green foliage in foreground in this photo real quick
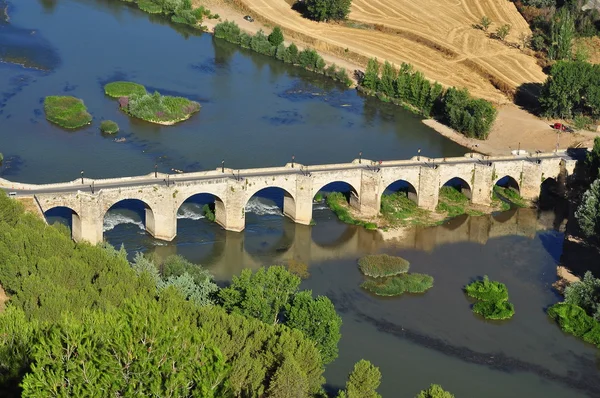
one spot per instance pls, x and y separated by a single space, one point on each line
362 381
271 295
434 391
494 309
158 108
487 290
588 212
109 127
67 112
574 320
381 265
123 89
337 203
273 46
400 284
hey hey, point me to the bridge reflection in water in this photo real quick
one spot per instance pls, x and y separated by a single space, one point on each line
231 252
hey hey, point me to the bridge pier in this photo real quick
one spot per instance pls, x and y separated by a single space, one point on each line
531 179
88 228
299 209
233 216
369 201
483 176
429 187
161 223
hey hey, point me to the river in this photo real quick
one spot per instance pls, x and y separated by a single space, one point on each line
259 112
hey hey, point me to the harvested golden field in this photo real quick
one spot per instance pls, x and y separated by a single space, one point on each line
436 36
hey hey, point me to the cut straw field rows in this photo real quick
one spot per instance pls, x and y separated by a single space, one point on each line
436 36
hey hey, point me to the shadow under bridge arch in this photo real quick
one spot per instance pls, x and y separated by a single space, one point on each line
64 216
336 192
271 203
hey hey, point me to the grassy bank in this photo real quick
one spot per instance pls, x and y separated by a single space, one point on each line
178 11
338 204
67 112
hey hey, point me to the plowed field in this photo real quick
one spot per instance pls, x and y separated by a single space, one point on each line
436 36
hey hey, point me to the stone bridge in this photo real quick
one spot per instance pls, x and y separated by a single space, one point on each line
163 194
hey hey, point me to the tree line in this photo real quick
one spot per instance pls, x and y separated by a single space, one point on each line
82 320
179 11
470 116
273 45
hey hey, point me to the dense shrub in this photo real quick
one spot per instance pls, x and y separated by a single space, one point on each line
180 11
123 89
434 391
588 212
67 112
324 10
208 212
585 294
228 31
379 265
494 309
470 116
400 284
157 108
574 320
487 290
109 127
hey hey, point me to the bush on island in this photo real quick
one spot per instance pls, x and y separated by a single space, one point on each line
574 320
161 109
494 309
123 89
487 290
381 265
492 299
67 112
109 127
400 284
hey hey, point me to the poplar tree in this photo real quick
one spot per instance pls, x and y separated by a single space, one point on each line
388 76
363 381
371 78
588 213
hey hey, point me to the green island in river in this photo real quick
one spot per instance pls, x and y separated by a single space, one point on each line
154 108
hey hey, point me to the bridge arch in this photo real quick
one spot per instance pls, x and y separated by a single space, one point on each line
458 184
276 201
508 181
341 185
128 211
403 187
65 215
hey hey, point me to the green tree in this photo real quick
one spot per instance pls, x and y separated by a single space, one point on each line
276 37
324 10
562 33
388 76
317 319
585 294
563 93
229 31
363 381
503 31
289 381
593 159
485 23
371 78
291 54
262 295
434 391
588 212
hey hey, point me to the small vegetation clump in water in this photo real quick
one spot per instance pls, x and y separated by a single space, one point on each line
123 89
337 203
109 127
67 112
492 299
318 197
382 265
208 212
400 284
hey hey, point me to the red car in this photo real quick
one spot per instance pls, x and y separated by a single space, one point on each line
562 127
